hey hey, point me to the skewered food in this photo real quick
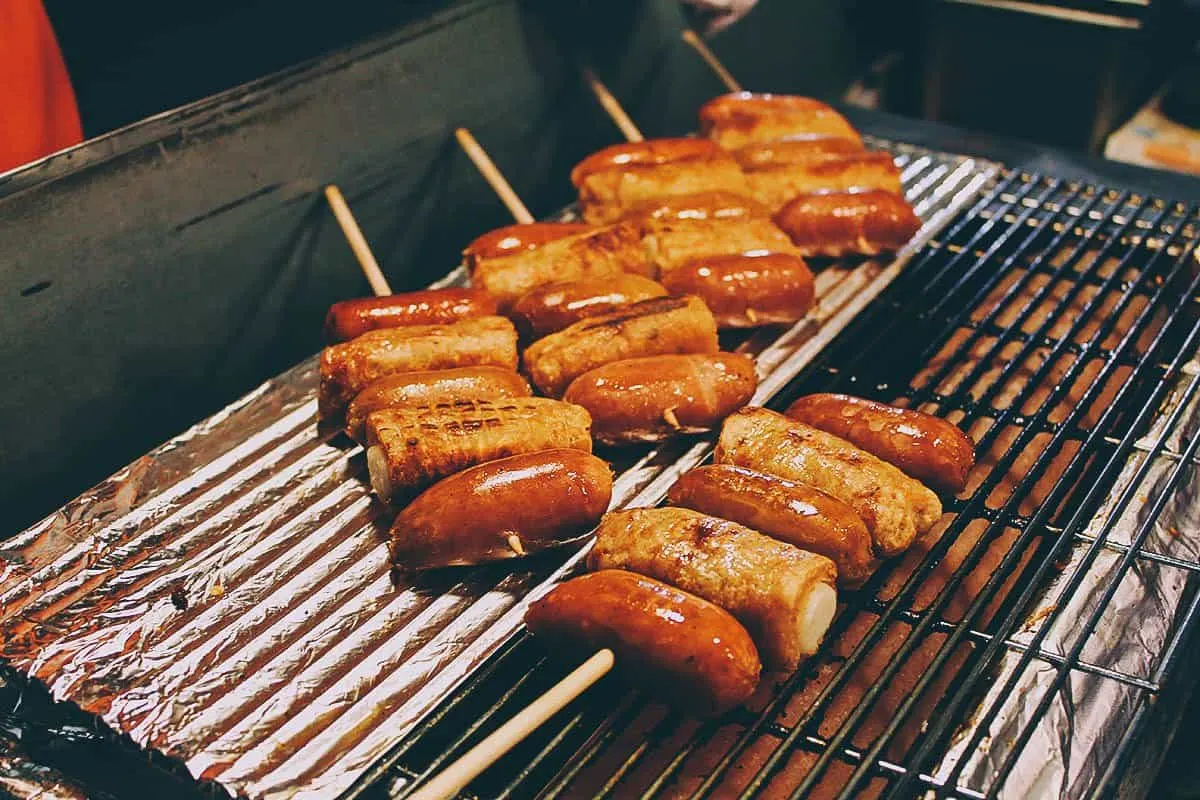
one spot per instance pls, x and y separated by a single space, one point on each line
554 306
801 149
512 239
747 290
672 243
741 118
700 205
350 318
846 223
777 184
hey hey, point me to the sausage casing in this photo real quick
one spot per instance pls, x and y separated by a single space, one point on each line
748 290
672 243
503 509
741 118
795 150
410 448
846 223
349 367
678 646
432 387
350 318
894 507
649 399
700 205
791 512
777 184
554 306
512 239
783 595
921 445
660 326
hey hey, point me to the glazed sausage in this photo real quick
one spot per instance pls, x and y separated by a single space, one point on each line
652 398
410 448
795 150
921 445
741 118
845 223
350 318
775 185
782 594
677 646
503 509
894 507
701 205
791 512
349 367
554 306
432 387
649 153
673 243
512 239
660 326
748 290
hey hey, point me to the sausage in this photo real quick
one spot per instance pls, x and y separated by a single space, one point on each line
649 153
660 326
894 507
741 118
597 253
921 445
801 149
512 239
783 595
672 243
675 645
747 290
350 318
349 367
554 306
431 387
785 510
410 448
775 185
844 223
652 398
503 509
701 205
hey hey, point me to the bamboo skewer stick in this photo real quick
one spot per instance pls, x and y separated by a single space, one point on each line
612 107
493 176
710 58
358 242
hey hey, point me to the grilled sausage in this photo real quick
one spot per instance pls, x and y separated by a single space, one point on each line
844 223
431 387
741 118
923 446
649 399
350 318
782 594
672 243
410 448
701 205
660 326
596 253
649 153
802 149
503 509
512 239
677 646
791 512
748 290
554 306
348 368
894 507
775 185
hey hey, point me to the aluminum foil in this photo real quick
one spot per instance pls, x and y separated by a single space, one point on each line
226 599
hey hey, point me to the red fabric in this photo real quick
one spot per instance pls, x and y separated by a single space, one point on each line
38 114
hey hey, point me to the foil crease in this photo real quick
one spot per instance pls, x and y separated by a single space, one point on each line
226 599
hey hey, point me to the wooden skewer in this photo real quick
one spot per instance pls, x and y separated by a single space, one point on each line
358 242
612 107
710 58
449 781
493 176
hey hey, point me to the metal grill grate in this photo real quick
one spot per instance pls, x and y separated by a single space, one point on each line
1055 322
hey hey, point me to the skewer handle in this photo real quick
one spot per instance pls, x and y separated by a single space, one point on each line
710 58
493 176
449 781
358 242
612 107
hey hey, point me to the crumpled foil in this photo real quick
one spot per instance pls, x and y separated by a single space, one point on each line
226 599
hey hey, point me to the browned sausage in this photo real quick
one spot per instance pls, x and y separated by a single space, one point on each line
554 306
741 118
649 399
503 509
923 446
701 205
349 367
777 184
410 448
673 243
512 239
785 510
350 318
745 291
802 149
660 326
431 387
675 645
844 223
651 152
782 594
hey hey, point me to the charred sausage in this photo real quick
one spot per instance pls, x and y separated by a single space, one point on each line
783 595
846 223
350 318
679 647
921 445
741 118
775 185
554 306
649 399
748 290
